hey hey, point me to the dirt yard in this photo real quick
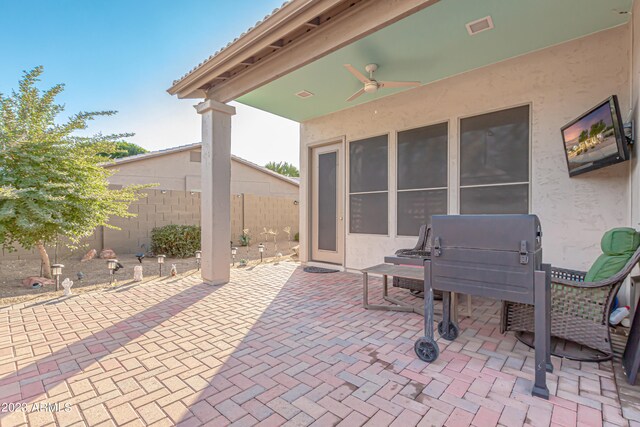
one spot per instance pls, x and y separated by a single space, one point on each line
96 274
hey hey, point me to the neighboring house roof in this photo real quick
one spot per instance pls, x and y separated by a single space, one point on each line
198 146
151 154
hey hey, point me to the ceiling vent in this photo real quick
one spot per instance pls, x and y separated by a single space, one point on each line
479 25
304 94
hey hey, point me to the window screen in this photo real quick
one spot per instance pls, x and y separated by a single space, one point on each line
368 185
494 162
327 202
422 176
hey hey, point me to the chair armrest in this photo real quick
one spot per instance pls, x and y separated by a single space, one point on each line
616 279
581 284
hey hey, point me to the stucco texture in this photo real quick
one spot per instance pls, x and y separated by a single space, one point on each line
177 172
559 83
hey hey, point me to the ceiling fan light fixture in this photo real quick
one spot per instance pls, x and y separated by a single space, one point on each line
371 87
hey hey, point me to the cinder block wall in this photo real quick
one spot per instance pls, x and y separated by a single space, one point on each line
262 212
176 207
156 210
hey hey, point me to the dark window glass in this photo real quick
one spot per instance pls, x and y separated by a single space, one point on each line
327 202
494 147
422 157
416 207
368 213
368 165
498 199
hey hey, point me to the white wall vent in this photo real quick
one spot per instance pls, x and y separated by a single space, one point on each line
479 25
304 94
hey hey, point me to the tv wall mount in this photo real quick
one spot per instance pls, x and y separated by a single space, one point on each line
629 132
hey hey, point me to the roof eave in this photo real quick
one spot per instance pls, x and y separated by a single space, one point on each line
264 30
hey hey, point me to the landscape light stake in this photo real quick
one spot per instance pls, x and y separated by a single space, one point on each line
111 265
56 270
160 262
234 251
261 250
198 259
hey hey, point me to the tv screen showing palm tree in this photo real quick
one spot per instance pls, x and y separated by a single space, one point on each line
591 141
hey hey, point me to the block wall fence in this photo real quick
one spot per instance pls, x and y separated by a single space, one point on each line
176 207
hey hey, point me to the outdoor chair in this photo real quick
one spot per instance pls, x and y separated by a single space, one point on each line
581 301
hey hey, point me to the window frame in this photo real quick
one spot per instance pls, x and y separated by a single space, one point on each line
347 183
530 153
449 168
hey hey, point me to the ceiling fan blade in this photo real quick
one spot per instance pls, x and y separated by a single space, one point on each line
356 73
399 84
355 95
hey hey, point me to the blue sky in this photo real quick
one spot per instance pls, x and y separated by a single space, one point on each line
123 55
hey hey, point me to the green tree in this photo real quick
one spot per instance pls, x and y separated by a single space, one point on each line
584 135
52 183
596 128
126 149
283 168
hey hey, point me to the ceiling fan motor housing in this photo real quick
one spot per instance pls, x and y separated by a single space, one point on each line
371 86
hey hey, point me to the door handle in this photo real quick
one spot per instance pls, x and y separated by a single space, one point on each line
340 218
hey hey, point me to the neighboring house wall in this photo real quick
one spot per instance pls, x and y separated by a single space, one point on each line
181 172
248 180
559 83
173 171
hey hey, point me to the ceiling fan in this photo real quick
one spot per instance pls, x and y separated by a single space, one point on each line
370 84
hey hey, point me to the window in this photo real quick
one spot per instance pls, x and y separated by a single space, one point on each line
422 176
368 186
494 162
195 156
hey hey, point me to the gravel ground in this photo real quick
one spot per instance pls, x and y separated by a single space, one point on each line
96 274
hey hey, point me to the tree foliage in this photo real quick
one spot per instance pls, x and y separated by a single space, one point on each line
125 149
283 168
51 181
596 128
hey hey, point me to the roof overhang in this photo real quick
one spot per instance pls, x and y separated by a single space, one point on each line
298 33
302 47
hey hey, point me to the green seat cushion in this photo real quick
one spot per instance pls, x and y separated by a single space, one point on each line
618 246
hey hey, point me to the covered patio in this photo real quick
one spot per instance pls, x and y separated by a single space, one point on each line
277 346
479 134
418 108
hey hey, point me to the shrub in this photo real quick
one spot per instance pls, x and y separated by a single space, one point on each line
245 239
176 241
296 237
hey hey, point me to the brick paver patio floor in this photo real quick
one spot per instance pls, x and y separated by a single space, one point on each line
275 346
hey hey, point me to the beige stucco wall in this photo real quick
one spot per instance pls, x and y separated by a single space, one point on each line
245 179
559 83
176 172
169 171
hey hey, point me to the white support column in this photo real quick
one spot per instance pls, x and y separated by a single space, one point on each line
216 190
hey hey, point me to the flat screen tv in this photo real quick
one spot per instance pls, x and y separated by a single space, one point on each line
595 139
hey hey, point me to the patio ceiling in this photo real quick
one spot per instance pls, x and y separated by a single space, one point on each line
433 44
